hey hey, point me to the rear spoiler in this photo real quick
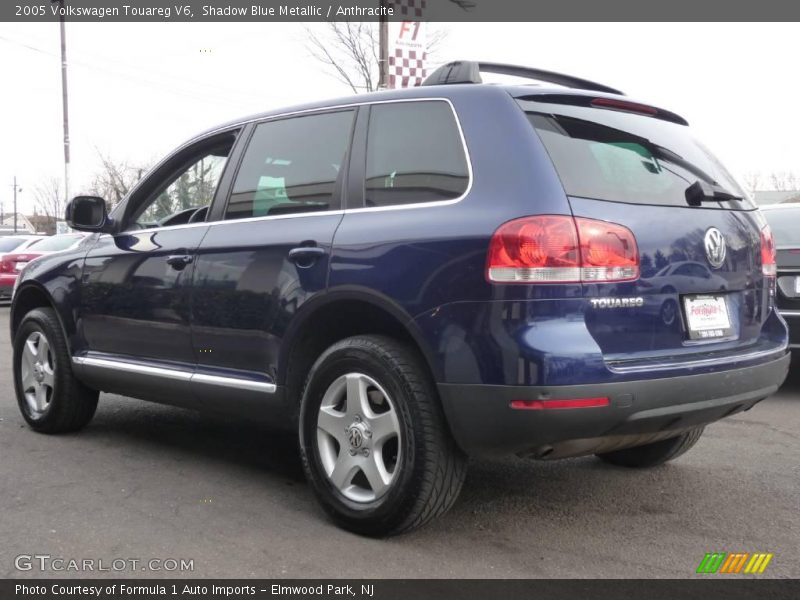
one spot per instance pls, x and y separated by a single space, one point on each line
619 104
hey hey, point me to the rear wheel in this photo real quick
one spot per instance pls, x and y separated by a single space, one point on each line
373 438
669 312
657 453
50 398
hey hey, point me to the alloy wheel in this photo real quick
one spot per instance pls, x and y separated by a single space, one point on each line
37 373
358 437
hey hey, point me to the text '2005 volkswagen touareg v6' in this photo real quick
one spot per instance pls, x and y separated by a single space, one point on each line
410 277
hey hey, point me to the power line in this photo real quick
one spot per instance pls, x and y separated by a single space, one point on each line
211 93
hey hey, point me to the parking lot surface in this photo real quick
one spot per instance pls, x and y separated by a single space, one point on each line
144 481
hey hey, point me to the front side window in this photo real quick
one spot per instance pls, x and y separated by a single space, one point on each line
190 191
414 154
291 166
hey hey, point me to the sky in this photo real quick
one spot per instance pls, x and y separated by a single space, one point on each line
137 90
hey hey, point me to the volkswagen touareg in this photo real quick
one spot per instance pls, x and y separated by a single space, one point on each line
410 277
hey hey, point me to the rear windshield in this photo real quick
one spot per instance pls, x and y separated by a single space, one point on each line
8 244
625 157
57 242
785 225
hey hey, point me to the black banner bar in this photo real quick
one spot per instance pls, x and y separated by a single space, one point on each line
400 10
712 588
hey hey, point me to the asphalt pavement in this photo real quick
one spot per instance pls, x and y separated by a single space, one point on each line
145 482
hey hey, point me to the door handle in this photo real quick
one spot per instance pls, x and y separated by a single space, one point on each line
179 261
305 256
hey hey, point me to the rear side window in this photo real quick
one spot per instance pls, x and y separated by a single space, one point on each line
414 154
57 242
785 225
8 244
625 157
291 166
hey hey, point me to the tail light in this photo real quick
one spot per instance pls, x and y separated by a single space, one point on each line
562 249
624 105
559 404
769 266
6 267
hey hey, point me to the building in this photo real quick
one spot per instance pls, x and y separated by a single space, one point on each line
23 225
44 224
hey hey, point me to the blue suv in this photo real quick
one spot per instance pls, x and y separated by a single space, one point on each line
410 277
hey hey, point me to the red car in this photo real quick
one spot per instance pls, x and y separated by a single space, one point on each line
13 262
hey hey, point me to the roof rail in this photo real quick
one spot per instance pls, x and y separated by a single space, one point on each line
467 71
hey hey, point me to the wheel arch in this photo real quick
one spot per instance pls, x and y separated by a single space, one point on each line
336 315
29 296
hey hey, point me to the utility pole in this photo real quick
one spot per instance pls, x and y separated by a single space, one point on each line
64 100
16 189
383 47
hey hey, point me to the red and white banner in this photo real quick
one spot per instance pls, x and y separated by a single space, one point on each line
407 45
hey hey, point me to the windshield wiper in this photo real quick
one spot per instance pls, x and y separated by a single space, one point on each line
702 191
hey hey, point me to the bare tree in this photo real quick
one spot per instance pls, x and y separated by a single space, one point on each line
783 180
48 200
350 50
752 180
114 179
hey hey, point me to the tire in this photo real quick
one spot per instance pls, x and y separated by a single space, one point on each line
398 465
657 453
50 398
669 312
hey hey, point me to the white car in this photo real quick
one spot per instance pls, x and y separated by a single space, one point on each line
17 243
688 275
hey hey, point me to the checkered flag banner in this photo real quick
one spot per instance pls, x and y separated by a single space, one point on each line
408 8
407 41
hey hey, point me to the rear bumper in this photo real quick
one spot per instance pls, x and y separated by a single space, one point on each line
483 423
792 318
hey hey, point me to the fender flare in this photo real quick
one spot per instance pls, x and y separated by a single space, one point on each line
357 294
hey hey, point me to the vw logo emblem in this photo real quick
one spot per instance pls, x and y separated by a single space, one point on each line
716 248
356 437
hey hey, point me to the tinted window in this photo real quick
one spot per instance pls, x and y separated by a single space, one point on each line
414 154
291 166
191 190
57 242
785 225
615 155
9 243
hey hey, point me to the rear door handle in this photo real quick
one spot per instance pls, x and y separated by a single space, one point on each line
179 261
305 256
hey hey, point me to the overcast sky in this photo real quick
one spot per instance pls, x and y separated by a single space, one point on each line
138 90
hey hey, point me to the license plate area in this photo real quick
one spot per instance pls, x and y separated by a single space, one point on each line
797 285
707 317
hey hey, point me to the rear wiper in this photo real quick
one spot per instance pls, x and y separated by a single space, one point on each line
702 191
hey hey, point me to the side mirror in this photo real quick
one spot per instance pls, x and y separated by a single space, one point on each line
87 213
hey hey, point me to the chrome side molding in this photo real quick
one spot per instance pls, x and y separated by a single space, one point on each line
234 382
175 374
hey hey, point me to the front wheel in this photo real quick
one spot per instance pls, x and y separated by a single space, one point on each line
657 453
374 442
50 398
